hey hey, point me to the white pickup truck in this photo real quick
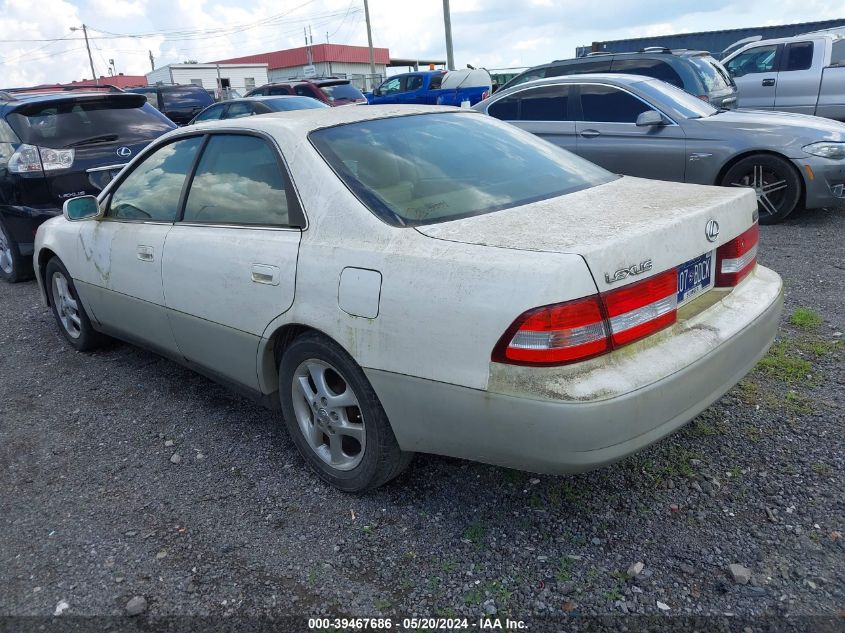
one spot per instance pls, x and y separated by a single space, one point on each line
804 74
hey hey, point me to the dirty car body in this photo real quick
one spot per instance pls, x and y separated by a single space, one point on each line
529 309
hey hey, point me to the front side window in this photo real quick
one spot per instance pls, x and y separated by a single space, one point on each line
506 109
239 109
544 104
420 169
391 86
278 90
650 68
799 56
436 82
238 181
152 190
303 91
606 104
211 114
760 59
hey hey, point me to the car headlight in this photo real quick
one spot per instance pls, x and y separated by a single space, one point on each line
826 150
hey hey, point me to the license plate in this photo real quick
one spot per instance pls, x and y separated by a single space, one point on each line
694 277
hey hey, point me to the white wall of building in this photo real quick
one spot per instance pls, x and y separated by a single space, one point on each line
349 70
242 77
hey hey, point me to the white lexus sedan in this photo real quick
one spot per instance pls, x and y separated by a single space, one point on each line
409 279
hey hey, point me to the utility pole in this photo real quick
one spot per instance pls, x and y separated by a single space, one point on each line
152 61
370 43
447 21
84 30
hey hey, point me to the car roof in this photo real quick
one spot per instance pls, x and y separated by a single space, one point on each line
301 122
267 98
46 97
623 79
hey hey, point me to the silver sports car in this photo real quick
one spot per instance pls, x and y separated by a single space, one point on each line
643 127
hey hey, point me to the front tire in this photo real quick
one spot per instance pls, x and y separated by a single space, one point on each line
13 267
70 315
775 182
335 417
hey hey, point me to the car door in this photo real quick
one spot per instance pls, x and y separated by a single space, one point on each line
755 74
799 77
390 89
229 264
608 135
120 256
544 111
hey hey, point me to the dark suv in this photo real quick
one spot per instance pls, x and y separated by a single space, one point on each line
694 71
180 103
58 145
331 90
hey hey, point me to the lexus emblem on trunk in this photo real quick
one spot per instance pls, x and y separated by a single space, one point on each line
711 230
124 151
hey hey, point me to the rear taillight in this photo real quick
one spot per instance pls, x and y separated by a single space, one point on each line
735 259
555 334
643 308
577 330
29 159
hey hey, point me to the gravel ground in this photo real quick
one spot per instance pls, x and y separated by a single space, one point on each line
94 511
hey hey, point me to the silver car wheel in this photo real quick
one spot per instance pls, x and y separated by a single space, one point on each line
765 183
328 414
6 261
67 307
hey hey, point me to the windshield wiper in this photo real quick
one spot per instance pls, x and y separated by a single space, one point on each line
103 138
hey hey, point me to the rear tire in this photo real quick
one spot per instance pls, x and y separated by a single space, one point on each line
775 181
70 315
13 267
335 417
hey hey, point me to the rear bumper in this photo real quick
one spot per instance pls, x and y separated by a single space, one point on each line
544 434
23 222
826 186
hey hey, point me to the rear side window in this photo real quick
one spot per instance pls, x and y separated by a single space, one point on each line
799 56
596 66
303 91
185 97
211 114
605 104
506 109
436 82
238 181
76 123
239 109
548 103
277 90
837 55
152 190
283 104
650 68
414 82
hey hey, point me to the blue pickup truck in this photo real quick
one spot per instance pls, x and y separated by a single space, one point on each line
434 87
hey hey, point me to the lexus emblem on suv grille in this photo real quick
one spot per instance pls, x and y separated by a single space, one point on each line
124 151
711 230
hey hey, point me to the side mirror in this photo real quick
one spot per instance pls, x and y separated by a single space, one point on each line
650 118
82 208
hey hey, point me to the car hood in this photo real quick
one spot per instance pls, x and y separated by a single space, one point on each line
615 225
793 126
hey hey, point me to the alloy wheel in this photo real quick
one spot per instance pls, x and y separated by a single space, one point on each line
67 307
769 186
6 261
329 415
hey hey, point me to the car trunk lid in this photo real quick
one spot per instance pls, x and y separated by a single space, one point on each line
626 230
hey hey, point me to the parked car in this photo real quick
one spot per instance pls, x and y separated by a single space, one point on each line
180 103
331 91
694 71
58 145
249 106
434 87
803 74
648 128
454 285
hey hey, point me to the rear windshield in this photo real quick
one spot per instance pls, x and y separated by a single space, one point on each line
72 123
341 91
712 74
185 97
428 168
294 103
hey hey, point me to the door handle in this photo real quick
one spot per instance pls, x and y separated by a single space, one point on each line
590 133
264 274
768 82
146 253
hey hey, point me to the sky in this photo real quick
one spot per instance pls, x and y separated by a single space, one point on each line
38 46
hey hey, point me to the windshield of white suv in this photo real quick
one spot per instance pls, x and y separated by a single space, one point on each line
428 168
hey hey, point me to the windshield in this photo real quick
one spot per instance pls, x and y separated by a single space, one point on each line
281 104
712 73
343 91
681 101
70 123
428 168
